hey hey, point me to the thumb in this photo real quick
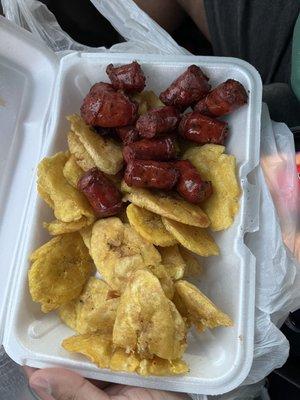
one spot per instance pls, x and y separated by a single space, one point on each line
57 383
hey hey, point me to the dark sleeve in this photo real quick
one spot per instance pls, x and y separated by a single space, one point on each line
258 31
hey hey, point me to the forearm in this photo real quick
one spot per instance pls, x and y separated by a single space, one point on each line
196 10
167 13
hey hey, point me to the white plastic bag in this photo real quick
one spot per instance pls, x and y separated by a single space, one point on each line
277 279
277 271
142 34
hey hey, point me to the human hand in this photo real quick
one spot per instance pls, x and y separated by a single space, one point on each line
61 384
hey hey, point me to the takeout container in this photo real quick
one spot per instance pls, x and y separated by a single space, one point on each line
39 91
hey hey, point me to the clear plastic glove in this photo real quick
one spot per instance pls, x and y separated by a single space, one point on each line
61 384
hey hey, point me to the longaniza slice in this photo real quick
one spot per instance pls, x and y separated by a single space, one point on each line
167 205
198 240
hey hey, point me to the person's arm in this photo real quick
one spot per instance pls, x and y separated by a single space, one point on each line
196 10
167 13
295 77
170 13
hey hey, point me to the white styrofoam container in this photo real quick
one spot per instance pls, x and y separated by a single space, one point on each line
220 359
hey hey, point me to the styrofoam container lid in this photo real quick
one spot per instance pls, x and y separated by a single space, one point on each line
27 75
220 359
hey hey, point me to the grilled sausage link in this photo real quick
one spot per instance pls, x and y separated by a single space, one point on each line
129 77
190 185
151 174
187 89
151 149
128 134
104 197
107 108
201 129
159 120
224 99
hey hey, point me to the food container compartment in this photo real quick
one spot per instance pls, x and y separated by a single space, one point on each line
219 359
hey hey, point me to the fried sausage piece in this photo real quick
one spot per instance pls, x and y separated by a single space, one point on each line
129 77
201 129
187 89
151 149
104 197
107 108
157 121
224 99
128 134
190 185
151 174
